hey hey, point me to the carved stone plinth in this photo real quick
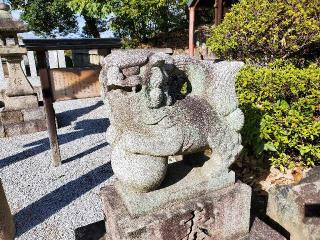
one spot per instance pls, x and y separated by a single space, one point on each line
221 214
18 84
21 102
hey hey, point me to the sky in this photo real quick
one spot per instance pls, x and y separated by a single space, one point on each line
30 35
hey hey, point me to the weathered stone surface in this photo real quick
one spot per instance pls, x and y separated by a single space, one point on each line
21 102
182 182
33 114
7 228
25 128
297 207
222 214
8 117
162 106
2 132
262 231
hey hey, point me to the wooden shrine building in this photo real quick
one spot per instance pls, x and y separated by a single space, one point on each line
220 7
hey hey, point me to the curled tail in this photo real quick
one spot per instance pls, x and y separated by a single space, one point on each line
225 139
216 83
221 91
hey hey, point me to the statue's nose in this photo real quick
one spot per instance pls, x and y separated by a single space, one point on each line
114 76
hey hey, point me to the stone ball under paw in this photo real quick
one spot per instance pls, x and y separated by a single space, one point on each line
140 173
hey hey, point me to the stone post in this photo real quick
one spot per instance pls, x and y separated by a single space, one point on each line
53 59
61 59
32 64
7 228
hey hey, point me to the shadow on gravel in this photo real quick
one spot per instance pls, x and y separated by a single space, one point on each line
45 207
84 153
83 128
67 117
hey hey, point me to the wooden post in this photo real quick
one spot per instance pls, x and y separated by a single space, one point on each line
48 103
7 228
2 79
218 13
191 30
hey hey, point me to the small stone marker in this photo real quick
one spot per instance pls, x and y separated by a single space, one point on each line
161 106
7 228
297 207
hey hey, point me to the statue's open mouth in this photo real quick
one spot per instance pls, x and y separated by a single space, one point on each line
135 89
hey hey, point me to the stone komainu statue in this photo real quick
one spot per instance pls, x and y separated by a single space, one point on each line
160 106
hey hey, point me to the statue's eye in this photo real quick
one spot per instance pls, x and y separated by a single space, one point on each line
138 88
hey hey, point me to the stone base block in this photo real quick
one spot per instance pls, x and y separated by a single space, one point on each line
21 102
25 128
11 117
297 207
20 122
216 215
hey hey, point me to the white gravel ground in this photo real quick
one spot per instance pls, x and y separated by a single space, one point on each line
50 203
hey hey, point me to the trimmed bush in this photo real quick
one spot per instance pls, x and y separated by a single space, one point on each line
281 105
265 30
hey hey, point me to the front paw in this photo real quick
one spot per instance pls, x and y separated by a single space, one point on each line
127 142
112 135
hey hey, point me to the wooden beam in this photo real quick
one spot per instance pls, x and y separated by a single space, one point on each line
66 44
191 30
48 103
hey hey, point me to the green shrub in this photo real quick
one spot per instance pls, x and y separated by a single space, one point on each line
281 105
268 29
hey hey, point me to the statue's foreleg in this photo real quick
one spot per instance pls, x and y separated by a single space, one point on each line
225 145
166 143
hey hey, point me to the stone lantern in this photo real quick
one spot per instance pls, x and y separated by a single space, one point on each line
21 113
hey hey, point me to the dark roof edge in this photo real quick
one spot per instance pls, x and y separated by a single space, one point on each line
65 44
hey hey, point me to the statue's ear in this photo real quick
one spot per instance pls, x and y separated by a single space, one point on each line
158 63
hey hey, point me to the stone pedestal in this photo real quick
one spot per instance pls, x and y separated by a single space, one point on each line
220 214
7 228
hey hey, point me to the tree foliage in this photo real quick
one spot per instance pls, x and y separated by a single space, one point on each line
47 18
52 18
281 104
268 29
137 20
